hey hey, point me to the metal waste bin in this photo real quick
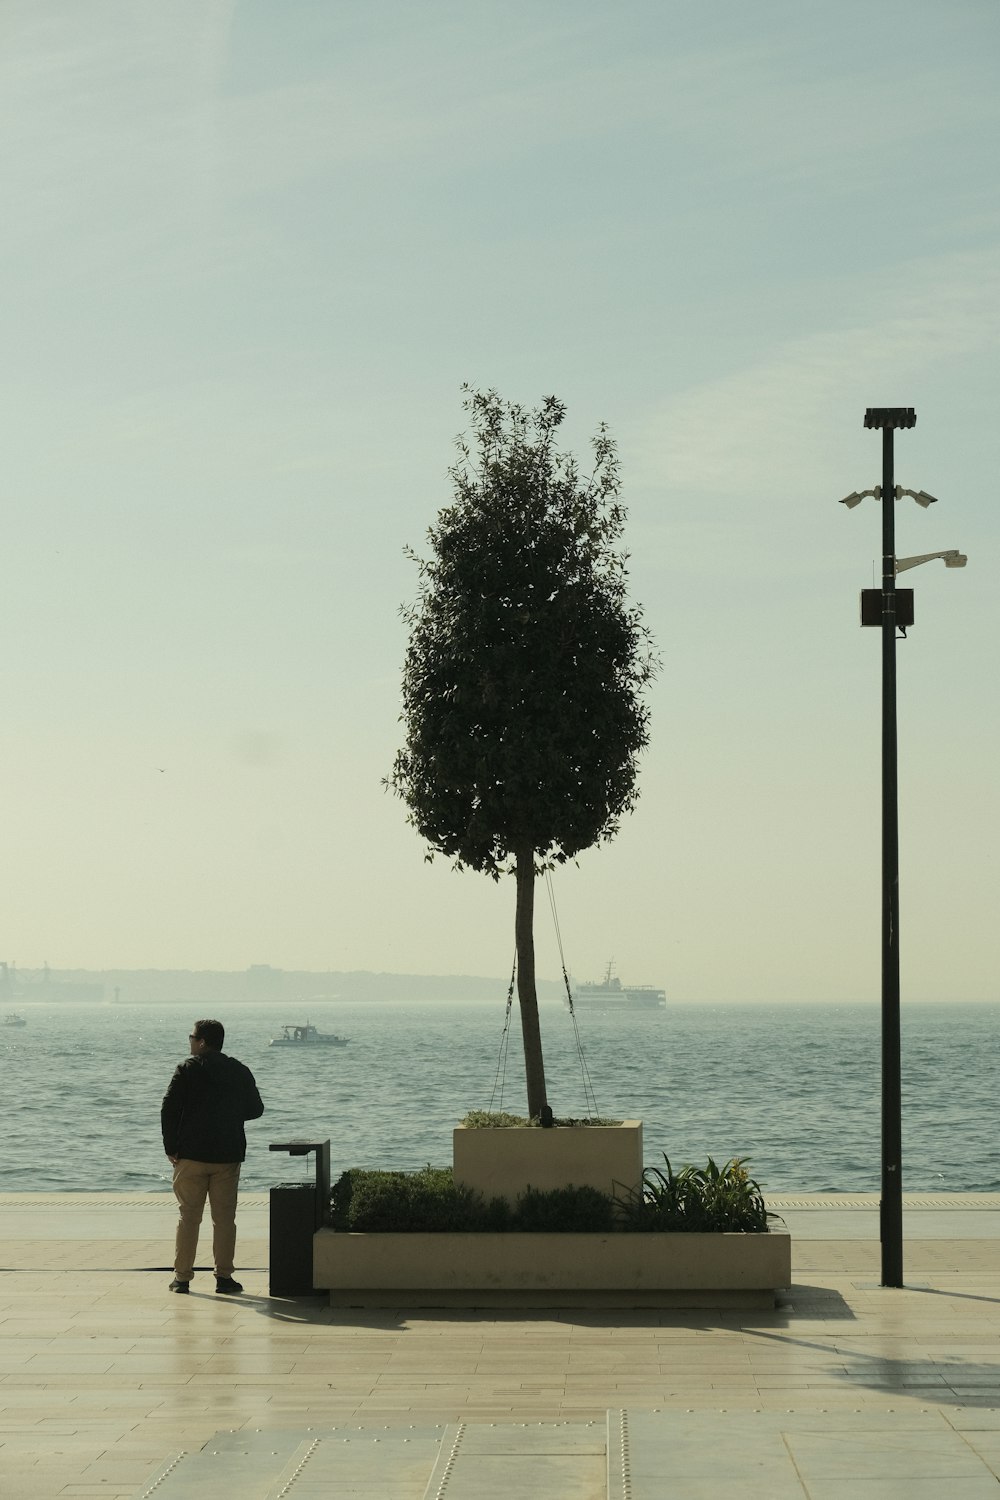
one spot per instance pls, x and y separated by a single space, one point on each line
298 1209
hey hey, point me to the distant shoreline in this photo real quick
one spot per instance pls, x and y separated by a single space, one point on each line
184 987
258 984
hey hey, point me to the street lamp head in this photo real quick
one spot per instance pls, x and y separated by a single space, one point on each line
951 559
890 416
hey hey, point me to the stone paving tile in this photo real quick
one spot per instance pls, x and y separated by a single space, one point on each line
975 1419
981 1487
838 1342
882 1455
114 1491
28 1484
496 1477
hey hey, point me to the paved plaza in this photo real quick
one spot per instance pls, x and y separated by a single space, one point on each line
111 1386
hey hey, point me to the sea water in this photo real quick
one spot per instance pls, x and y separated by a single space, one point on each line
796 1088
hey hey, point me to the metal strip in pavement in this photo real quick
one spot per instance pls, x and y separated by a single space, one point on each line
988 1202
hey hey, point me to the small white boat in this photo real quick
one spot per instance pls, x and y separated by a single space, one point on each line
306 1036
13 1019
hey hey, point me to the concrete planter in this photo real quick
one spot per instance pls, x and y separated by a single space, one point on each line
503 1163
551 1270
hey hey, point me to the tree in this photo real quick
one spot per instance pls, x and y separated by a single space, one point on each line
524 667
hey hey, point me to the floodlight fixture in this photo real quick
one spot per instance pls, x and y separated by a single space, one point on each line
852 500
890 416
920 496
951 559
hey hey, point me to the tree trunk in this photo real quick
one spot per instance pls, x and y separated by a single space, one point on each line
527 995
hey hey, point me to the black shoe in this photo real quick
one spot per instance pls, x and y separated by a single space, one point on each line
226 1284
179 1286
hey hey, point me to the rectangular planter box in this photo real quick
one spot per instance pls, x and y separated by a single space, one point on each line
503 1163
551 1270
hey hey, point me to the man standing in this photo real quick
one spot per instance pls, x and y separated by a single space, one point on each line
209 1097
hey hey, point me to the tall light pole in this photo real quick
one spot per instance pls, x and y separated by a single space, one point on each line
888 418
891 1212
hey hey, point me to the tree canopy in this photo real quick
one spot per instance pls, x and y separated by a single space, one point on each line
522 678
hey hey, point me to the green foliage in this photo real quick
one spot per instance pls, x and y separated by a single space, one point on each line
428 1201
483 1119
698 1200
695 1200
522 678
568 1210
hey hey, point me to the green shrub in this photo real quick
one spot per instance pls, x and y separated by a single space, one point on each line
483 1119
428 1201
396 1202
568 1210
697 1200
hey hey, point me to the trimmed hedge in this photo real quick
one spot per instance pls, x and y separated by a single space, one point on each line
428 1201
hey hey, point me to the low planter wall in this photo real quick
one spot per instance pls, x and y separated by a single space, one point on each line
551 1270
503 1163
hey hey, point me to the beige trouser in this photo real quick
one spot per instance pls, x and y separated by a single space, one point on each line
194 1181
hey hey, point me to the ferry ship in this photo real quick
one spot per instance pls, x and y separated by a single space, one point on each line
611 994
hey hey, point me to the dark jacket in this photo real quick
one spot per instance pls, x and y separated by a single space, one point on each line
204 1107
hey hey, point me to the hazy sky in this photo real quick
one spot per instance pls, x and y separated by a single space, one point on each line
252 249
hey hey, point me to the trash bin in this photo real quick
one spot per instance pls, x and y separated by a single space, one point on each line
298 1209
